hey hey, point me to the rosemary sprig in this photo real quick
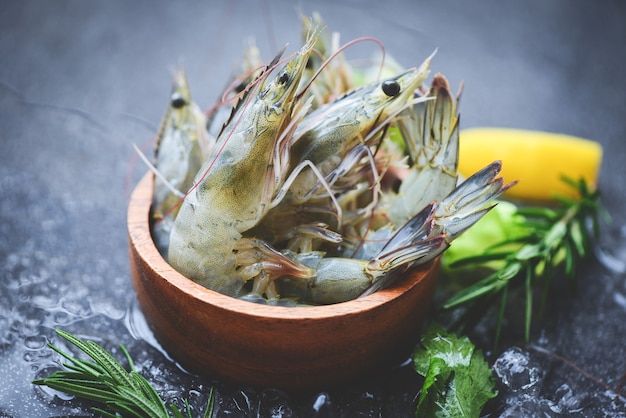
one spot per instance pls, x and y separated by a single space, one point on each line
105 381
555 237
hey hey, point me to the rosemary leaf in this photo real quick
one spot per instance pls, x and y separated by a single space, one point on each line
78 365
537 212
114 369
107 382
105 413
210 405
529 303
148 391
578 238
486 286
553 238
528 251
129 360
77 387
176 412
139 402
478 259
505 296
509 271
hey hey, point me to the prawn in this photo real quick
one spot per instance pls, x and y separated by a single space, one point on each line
235 186
334 138
430 129
178 157
421 239
229 230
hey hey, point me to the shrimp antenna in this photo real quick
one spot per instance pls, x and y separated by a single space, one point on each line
393 115
241 96
339 51
232 87
266 70
157 173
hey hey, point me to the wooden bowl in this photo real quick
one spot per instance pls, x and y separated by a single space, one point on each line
287 347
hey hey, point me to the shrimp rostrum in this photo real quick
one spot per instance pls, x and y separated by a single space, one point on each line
290 203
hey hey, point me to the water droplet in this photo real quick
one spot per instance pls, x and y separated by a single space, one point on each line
240 403
35 342
61 318
30 327
322 400
37 356
78 308
43 301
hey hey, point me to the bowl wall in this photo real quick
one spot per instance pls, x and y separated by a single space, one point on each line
288 347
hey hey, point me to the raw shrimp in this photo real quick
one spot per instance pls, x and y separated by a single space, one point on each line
261 206
430 130
421 239
334 138
178 157
235 186
327 135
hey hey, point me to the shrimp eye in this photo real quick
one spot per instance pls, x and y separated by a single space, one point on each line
391 88
284 77
177 101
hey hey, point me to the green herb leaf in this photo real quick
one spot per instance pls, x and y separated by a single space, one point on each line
458 381
550 238
107 382
484 287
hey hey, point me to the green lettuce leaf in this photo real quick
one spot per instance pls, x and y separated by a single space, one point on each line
458 381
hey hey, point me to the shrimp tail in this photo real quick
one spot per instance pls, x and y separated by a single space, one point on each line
465 205
412 244
429 233
430 130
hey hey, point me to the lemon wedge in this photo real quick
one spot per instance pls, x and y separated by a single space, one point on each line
536 159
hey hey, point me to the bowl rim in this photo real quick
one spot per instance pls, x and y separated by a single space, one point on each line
141 239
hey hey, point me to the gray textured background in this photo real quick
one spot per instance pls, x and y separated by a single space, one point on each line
80 82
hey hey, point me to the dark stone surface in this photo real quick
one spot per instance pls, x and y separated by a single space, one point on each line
80 82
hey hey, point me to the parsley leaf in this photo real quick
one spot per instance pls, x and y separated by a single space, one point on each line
458 380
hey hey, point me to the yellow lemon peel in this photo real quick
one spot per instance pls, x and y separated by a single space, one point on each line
537 159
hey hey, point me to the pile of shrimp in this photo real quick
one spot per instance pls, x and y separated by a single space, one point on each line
311 189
